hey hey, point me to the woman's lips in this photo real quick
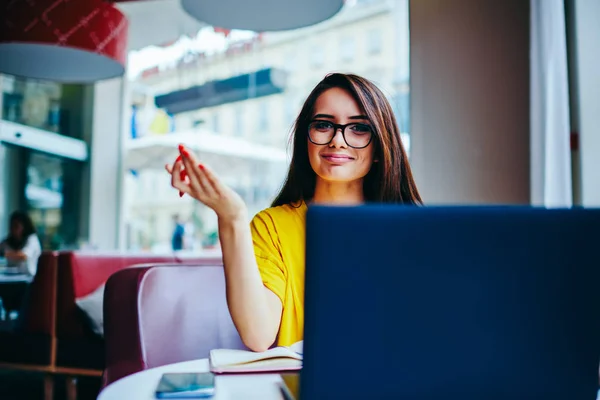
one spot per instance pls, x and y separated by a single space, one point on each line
337 158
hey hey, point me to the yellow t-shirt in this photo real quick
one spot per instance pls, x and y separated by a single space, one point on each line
278 234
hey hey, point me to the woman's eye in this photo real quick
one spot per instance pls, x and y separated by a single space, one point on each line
361 128
322 126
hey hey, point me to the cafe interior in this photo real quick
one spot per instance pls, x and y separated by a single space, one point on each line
504 112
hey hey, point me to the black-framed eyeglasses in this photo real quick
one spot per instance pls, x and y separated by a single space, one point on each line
356 135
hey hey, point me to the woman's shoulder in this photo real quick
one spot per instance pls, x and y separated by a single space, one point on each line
274 223
33 239
282 211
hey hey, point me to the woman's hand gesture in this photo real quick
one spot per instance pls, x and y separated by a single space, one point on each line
197 180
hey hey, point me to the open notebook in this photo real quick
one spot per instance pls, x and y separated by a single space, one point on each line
223 361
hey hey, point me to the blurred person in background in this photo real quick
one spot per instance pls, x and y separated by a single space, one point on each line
22 250
347 150
22 247
178 234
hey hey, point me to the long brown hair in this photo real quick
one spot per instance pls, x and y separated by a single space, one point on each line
389 181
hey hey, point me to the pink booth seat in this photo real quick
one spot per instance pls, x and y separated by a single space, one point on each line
79 349
162 314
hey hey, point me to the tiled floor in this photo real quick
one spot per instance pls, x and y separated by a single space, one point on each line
30 386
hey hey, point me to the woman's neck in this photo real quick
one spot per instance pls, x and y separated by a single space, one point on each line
345 193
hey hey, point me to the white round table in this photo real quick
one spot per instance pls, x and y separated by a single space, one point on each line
141 385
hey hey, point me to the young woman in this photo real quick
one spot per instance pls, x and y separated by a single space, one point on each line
346 150
22 248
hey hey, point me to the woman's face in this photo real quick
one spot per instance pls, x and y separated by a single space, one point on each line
337 161
16 228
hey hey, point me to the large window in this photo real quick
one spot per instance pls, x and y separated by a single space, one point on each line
49 189
256 83
52 192
43 158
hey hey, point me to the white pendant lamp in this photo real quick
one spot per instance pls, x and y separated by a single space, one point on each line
262 15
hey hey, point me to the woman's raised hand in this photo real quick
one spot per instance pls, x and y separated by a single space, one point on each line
197 180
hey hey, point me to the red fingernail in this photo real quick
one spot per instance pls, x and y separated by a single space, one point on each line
201 166
178 159
182 174
181 148
180 194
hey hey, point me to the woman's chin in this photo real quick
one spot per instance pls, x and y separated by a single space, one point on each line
335 178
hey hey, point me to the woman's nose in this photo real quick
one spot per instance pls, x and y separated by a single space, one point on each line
338 139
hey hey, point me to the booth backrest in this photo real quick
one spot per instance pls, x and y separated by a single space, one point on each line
40 311
159 315
79 274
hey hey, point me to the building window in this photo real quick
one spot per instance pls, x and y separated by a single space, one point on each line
374 41
347 49
291 61
290 110
215 122
239 120
317 56
263 117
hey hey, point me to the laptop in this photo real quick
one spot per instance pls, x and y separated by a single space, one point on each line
451 302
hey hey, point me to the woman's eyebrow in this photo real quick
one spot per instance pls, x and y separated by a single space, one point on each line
327 116
324 116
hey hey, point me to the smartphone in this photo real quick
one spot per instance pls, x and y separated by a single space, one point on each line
184 385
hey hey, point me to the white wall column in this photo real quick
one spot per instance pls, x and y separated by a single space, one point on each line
551 183
105 162
125 133
586 90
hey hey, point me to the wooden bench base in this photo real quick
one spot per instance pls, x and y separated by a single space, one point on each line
50 372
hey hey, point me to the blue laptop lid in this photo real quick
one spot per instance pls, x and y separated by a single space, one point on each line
451 302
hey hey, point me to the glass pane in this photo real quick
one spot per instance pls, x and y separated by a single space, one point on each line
52 197
234 96
50 106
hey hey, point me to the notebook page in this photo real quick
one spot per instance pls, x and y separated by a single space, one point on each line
226 357
271 364
297 347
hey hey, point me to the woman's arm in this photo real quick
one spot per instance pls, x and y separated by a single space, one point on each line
13 255
30 253
255 310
